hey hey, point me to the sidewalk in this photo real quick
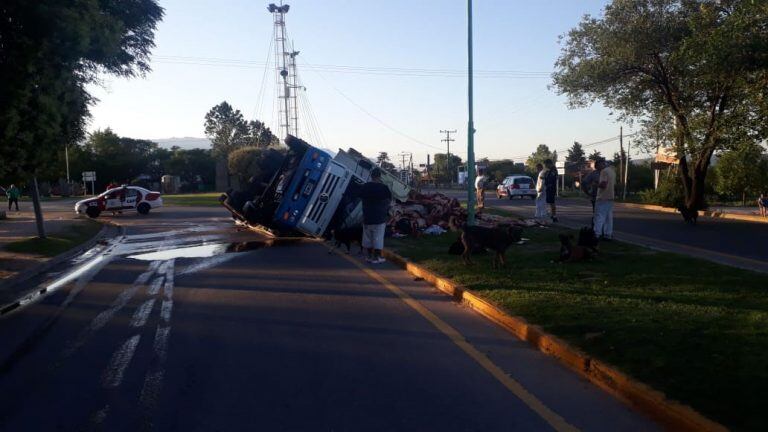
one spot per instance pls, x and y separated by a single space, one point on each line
59 218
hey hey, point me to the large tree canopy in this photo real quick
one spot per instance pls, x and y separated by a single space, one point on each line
49 51
228 130
701 65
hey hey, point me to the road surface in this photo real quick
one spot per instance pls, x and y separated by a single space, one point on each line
727 241
185 324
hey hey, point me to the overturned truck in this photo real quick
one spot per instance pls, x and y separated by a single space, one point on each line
311 193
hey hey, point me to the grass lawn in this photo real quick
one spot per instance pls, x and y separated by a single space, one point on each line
696 330
55 244
208 199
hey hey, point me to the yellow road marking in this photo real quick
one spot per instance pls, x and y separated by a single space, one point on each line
554 420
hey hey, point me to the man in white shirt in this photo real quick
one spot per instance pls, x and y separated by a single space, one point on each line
604 201
480 189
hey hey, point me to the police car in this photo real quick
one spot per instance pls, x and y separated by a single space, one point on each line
119 199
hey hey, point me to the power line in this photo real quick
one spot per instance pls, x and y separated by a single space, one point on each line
366 70
366 112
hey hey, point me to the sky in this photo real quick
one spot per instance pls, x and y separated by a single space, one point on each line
379 75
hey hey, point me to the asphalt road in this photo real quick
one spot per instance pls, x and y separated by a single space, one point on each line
186 324
732 242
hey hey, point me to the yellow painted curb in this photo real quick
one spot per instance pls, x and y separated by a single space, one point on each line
707 213
654 403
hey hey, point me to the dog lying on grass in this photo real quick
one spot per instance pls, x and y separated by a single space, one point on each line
346 237
497 239
570 252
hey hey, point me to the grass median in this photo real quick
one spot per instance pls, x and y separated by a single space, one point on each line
208 199
71 236
696 330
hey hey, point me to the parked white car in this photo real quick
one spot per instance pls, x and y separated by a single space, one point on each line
119 199
516 186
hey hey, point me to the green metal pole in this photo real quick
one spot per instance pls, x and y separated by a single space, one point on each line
471 199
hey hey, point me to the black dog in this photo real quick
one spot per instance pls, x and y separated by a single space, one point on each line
347 236
497 239
689 216
588 239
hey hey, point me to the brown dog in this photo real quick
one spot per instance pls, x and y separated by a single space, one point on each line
570 252
497 239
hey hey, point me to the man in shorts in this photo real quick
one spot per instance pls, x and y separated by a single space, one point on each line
550 187
376 199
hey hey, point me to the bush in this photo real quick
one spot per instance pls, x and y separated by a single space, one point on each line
248 162
670 192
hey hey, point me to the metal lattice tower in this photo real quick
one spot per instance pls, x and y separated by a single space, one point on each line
286 79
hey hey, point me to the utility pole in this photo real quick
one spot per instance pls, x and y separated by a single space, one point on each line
621 153
626 173
448 165
470 125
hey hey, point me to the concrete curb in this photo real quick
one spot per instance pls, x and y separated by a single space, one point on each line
43 267
705 213
653 403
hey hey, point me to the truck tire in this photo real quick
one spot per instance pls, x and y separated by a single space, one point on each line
93 212
143 208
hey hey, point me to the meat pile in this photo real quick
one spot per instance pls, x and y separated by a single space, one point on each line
422 211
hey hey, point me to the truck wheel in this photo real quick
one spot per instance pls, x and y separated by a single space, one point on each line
93 212
511 197
143 208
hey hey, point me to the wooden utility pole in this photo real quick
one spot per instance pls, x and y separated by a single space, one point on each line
621 153
626 172
448 162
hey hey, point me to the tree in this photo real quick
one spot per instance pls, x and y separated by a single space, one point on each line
259 135
595 155
50 50
500 169
382 160
193 166
254 162
702 64
226 128
575 159
541 154
445 169
742 171
119 158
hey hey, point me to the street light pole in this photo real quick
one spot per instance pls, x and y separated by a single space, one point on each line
470 126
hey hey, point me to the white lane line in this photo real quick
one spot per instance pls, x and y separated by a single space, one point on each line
142 313
113 374
168 287
153 381
104 317
165 310
154 288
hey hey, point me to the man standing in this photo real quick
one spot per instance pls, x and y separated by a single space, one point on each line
541 199
480 189
589 186
550 187
13 194
376 199
604 201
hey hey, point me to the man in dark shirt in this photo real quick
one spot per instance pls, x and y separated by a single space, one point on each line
550 187
376 199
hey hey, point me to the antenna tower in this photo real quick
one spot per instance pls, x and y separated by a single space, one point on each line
287 81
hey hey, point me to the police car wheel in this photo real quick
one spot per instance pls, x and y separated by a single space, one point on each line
143 208
92 212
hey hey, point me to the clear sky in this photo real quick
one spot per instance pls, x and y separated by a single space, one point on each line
370 107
